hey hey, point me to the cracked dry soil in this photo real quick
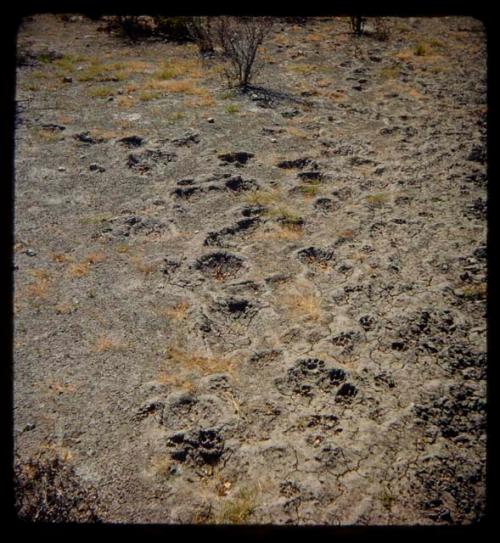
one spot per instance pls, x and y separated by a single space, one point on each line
252 308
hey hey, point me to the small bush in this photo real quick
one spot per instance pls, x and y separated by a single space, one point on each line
381 31
232 108
48 490
237 39
201 31
357 25
136 27
421 50
173 28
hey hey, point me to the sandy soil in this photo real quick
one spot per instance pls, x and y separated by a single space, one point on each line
253 308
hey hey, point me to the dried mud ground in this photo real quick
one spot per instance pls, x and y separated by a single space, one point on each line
253 308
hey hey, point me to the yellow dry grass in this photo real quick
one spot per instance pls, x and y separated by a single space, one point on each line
61 258
304 69
47 136
160 465
60 388
178 312
122 248
39 288
64 308
265 197
279 233
143 266
125 102
201 101
192 360
238 509
377 200
297 132
95 258
186 67
303 304
315 37
183 86
165 378
80 269
107 343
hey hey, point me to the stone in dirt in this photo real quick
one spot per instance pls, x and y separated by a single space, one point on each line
53 127
85 137
313 255
199 446
132 141
297 163
186 193
237 184
186 140
324 204
220 238
239 157
310 377
219 265
310 176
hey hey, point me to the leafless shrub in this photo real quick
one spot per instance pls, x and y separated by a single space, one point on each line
240 38
47 489
357 24
381 29
136 27
236 39
201 30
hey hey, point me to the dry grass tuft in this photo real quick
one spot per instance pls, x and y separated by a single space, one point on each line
377 200
265 197
106 343
141 265
178 312
125 102
47 136
201 101
296 132
165 378
39 288
64 308
303 69
80 269
279 233
238 509
303 304
95 258
192 360
101 92
147 96
122 248
61 258
160 465
60 388
390 72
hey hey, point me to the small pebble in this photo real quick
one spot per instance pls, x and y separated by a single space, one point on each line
61 169
29 426
30 252
67 80
210 120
